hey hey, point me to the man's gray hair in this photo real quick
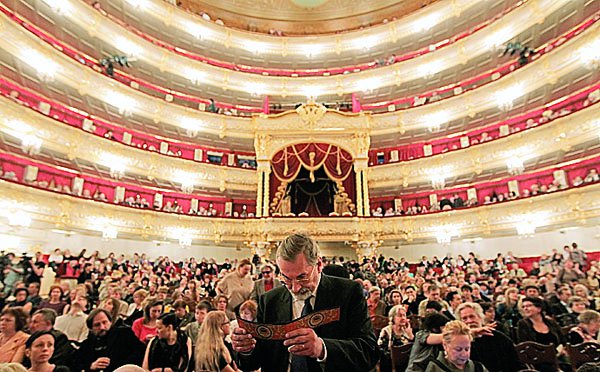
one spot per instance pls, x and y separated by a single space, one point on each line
471 305
298 243
49 315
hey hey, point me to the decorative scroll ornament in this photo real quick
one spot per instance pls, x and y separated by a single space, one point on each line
311 113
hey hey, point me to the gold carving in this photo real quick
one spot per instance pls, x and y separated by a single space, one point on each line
311 113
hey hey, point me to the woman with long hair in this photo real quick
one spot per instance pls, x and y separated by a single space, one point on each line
170 350
113 306
508 310
145 327
212 354
39 348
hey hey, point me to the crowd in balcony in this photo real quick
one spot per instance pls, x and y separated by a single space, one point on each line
134 197
535 118
504 300
451 201
540 183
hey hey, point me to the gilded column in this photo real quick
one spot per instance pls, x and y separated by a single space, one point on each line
262 193
359 200
366 199
266 188
259 194
362 192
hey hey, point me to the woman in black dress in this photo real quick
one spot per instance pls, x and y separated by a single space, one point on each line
170 350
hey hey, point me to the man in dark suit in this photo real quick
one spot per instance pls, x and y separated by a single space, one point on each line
345 345
266 283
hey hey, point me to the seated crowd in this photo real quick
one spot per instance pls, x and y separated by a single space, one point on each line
455 313
456 201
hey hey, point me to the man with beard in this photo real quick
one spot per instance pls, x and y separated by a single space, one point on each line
489 347
346 345
107 348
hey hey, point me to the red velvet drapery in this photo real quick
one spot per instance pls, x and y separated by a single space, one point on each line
336 162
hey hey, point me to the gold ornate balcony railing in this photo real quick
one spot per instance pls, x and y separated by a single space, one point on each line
57 70
574 207
74 143
274 132
562 134
458 54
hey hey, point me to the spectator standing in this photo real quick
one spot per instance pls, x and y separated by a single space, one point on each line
237 285
266 283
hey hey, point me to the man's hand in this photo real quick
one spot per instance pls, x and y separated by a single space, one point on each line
304 342
484 331
100 363
242 341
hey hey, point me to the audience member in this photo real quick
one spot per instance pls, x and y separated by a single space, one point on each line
587 329
43 321
13 321
237 286
107 348
170 349
39 348
488 343
212 354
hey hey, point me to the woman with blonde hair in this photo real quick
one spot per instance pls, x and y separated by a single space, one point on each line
397 333
456 340
212 354
508 310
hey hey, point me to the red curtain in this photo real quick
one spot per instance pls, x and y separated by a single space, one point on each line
336 161
287 163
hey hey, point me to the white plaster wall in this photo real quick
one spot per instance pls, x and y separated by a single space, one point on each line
587 238
33 239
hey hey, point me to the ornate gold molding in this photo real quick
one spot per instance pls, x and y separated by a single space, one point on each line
74 143
573 207
312 123
541 73
182 23
475 46
566 132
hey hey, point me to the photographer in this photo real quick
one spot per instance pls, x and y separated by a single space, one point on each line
13 273
34 268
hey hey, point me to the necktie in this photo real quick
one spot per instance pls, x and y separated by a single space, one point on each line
300 363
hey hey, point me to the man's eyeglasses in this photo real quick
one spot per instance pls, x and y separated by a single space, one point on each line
265 272
302 279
